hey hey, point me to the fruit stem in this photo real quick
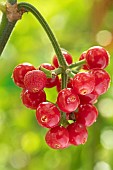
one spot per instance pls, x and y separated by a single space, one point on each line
39 17
79 63
12 2
57 71
6 27
63 120
46 71
64 80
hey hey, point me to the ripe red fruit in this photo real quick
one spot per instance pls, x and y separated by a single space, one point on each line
67 100
97 57
83 83
77 134
67 57
19 73
47 115
35 80
102 81
57 137
88 98
32 100
83 56
87 114
51 82
69 84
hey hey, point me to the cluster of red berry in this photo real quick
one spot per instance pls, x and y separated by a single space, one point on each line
74 104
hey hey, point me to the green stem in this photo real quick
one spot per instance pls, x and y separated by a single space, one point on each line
47 29
57 71
51 73
12 2
46 71
79 63
6 28
63 120
64 80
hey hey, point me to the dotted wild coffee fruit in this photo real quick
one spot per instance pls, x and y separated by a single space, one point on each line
35 80
19 73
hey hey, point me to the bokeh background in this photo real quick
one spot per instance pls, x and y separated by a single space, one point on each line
78 25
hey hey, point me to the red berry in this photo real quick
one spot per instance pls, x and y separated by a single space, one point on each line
58 86
67 57
88 98
102 81
51 82
83 56
19 73
83 83
97 57
57 137
77 134
35 80
32 100
87 114
47 115
69 84
67 100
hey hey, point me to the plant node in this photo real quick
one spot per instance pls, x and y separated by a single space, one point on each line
13 14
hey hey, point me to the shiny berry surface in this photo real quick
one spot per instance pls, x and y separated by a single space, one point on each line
102 81
88 98
83 83
35 80
57 137
67 57
83 56
47 115
87 114
51 82
19 73
32 100
97 57
67 100
77 134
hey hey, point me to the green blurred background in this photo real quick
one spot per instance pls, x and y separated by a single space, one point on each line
78 25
